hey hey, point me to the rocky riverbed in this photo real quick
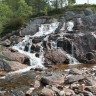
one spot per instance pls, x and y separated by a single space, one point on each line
39 59
56 81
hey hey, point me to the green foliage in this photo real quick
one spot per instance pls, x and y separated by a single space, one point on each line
71 2
5 14
38 6
13 24
1 49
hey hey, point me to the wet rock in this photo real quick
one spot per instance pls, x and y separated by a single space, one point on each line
4 65
15 39
51 56
32 48
47 92
73 78
37 40
88 11
15 65
14 56
37 48
90 56
75 71
26 48
6 43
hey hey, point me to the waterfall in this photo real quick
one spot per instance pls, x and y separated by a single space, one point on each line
93 33
46 29
35 61
80 21
70 25
72 59
63 27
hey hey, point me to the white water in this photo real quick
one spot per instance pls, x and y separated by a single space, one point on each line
63 27
44 30
72 59
93 33
35 62
70 25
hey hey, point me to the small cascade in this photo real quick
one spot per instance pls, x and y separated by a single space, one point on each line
70 25
46 29
63 27
24 47
93 33
80 21
72 59
34 60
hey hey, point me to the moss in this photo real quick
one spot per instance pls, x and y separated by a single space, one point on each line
1 49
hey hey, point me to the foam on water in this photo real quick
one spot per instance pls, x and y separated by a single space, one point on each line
46 29
70 25
93 33
35 62
72 60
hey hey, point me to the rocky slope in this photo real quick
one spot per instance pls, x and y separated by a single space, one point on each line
46 42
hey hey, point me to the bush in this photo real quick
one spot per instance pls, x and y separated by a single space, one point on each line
12 25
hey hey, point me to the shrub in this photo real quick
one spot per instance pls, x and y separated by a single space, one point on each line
13 24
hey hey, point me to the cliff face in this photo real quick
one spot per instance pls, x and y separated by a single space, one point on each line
75 34
81 38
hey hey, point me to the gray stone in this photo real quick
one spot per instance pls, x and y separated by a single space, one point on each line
88 11
75 71
47 92
51 56
55 78
73 78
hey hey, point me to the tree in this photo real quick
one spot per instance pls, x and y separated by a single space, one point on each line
19 7
5 14
71 2
38 6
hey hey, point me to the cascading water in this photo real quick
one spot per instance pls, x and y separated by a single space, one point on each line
46 29
36 62
70 25
37 59
93 33
72 59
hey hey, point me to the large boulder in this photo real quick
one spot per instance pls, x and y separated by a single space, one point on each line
54 78
88 11
73 78
89 20
75 71
56 56
14 56
85 46
6 43
4 66
10 65
16 65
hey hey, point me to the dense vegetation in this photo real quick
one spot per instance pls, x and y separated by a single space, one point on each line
15 13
